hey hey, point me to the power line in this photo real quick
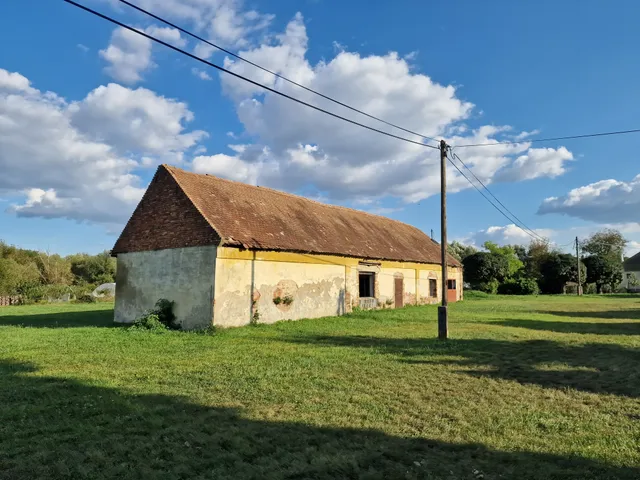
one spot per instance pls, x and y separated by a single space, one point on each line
489 200
222 69
282 77
588 135
517 220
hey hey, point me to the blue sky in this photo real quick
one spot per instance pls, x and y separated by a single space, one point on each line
88 112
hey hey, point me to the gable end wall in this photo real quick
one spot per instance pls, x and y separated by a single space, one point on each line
165 218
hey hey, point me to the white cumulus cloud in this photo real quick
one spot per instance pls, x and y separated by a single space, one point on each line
78 160
302 147
136 121
603 201
226 22
201 74
505 235
537 162
129 53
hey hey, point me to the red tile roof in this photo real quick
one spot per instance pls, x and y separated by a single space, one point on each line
259 218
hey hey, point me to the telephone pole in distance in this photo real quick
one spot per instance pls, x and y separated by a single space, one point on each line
578 290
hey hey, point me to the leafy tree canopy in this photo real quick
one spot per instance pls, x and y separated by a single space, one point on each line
508 252
557 270
460 250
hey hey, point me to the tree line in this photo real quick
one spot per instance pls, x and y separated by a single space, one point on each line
35 275
540 268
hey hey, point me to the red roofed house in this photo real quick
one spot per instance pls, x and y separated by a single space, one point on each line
230 254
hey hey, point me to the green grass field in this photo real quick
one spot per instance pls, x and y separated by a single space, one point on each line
544 388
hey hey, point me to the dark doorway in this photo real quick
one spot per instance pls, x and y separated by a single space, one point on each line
366 281
399 292
433 288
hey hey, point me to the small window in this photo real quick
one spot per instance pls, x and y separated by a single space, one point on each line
451 284
367 280
433 288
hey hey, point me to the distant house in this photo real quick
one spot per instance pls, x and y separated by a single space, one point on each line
228 254
631 270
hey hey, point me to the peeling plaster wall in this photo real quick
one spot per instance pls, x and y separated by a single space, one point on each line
183 275
245 287
387 284
247 283
436 273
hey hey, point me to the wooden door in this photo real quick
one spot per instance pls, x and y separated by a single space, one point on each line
452 291
399 292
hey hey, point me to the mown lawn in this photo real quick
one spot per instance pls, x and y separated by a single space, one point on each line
544 388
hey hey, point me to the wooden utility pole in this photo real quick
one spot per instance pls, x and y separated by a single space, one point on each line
579 292
443 321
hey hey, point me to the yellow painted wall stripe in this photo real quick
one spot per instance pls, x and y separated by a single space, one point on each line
290 257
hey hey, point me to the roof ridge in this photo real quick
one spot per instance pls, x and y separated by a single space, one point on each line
340 207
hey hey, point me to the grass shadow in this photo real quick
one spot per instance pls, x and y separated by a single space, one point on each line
627 314
86 318
60 428
618 328
597 367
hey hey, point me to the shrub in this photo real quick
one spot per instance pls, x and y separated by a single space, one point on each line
489 287
86 298
164 312
520 286
476 295
158 319
590 289
30 292
277 300
149 322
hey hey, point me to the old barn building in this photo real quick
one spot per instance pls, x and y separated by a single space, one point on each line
228 253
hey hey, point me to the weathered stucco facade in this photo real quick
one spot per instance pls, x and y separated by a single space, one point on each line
229 254
230 287
183 275
248 282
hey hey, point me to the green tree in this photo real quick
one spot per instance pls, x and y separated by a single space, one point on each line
485 268
521 252
557 270
514 264
460 250
54 270
605 243
93 269
15 276
602 271
604 262
537 253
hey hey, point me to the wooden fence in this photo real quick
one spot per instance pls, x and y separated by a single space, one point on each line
10 300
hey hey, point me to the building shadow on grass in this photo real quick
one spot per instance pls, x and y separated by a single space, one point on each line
617 328
60 428
596 367
90 318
